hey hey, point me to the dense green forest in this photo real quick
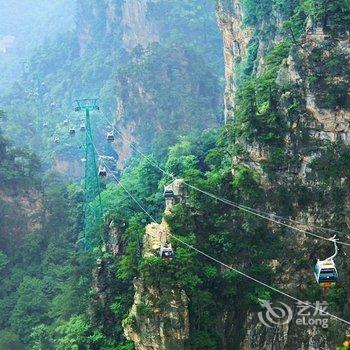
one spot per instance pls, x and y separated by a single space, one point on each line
56 295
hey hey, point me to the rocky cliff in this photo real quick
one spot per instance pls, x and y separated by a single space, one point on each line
235 40
155 66
166 87
159 317
287 93
287 135
21 213
138 28
150 108
126 21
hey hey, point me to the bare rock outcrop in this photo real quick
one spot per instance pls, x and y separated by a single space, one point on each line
236 39
138 29
159 317
312 118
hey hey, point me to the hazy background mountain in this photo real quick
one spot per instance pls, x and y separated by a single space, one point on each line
158 69
25 24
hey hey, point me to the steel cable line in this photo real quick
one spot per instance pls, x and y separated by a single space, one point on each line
225 265
120 184
149 160
235 205
261 214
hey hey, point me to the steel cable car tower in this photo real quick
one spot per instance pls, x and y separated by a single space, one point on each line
93 213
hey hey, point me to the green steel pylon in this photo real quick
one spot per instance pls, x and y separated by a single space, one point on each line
93 213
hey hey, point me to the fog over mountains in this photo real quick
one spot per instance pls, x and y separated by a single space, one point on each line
38 20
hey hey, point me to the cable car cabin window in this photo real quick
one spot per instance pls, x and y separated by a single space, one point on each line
168 194
167 254
110 137
328 275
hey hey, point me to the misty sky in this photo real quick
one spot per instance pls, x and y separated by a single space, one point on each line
30 21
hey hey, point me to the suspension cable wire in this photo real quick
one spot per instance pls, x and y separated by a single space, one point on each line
294 221
122 186
261 214
137 150
210 257
131 196
235 205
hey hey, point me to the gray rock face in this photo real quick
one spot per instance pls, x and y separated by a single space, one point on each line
138 29
321 124
159 317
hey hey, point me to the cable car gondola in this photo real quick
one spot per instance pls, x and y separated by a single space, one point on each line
110 137
166 252
102 172
325 271
168 191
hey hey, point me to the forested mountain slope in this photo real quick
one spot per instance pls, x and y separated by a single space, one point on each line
37 242
287 92
284 150
147 53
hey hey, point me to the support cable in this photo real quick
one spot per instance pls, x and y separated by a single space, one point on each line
267 216
322 312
